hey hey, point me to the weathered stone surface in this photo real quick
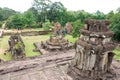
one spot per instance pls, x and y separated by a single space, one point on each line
68 27
94 51
46 67
57 41
16 46
57 27
34 33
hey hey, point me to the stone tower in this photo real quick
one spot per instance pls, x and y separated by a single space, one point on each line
16 46
93 51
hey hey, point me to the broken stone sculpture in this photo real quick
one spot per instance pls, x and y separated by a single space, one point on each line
16 46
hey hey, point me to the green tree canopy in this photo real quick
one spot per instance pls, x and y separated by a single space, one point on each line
56 11
15 21
29 19
5 13
115 26
42 7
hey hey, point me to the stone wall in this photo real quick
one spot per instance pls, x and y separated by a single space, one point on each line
28 33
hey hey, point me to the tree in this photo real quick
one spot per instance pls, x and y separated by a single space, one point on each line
42 6
99 15
56 12
47 25
81 15
28 19
15 21
35 14
77 25
110 15
69 16
115 26
5 13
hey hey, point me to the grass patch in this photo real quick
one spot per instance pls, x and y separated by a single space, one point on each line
4 46
6 57
117 54
28 41
70 38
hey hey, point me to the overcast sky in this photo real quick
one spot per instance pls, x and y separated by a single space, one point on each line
87 5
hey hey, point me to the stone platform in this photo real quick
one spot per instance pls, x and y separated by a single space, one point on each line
54 50
45 67
114 73
52 66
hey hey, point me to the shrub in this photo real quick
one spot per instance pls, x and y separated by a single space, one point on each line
77 25
47 25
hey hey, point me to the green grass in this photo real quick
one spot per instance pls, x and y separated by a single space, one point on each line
70 38
4 42
4 46
29 40
6 57
117 54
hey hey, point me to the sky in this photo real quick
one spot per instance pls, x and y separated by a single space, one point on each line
74 5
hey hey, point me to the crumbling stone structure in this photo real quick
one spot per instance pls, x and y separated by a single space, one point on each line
93 52
16 46
57 27
68 27
57 41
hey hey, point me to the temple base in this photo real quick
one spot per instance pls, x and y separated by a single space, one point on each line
78 74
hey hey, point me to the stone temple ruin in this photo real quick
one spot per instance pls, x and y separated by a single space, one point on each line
93 51
16 46
57 40
91 62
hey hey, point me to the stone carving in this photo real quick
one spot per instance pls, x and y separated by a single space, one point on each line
57 40
16 46
68 27
93 51
58 30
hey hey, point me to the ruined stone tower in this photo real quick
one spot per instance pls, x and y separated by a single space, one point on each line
93 51
16 46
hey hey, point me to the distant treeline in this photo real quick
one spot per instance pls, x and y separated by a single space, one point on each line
45 13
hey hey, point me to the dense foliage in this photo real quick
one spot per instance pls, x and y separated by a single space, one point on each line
5 13
45 13
115 25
